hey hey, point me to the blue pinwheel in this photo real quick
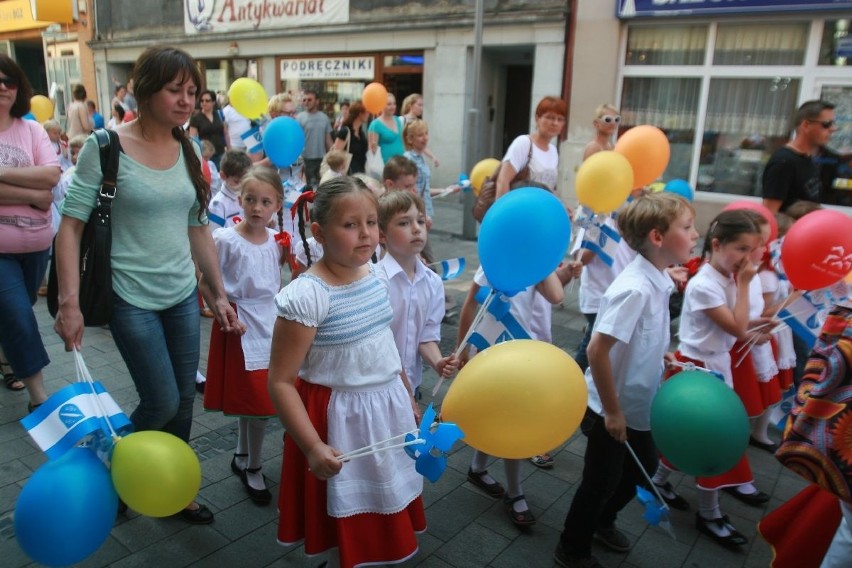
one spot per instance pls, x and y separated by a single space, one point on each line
656 514
430 455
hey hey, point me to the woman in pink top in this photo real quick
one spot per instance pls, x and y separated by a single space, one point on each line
28 171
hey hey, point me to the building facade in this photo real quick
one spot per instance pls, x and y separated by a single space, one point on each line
337 47
721 78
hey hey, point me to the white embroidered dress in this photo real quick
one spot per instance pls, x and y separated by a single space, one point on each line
354 354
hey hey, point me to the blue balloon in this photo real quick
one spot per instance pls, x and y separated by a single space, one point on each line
680 187
66 510
283 141
512 261
29 116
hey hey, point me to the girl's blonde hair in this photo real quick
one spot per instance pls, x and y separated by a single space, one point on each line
322 201
276 102
413 128
269 176
409 101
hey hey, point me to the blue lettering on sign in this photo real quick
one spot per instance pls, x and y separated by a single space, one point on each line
70 414
652 8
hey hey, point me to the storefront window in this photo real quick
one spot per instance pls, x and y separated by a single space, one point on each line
666 46
220 73
761 44
836 46
670 104
746 120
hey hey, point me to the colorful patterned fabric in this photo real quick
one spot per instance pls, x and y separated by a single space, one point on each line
817 441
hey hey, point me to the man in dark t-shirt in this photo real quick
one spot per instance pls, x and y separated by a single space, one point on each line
790 174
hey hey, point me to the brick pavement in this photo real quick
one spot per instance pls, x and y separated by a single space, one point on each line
466 528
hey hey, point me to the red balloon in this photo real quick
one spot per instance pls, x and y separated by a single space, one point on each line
760 208
817 250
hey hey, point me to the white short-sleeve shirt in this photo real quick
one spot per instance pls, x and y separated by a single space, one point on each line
597 275
635 311
544 165
418 308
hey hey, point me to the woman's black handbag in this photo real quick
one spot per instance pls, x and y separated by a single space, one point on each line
95 245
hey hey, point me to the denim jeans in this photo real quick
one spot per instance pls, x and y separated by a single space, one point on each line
610 477
580 356
161 350
20 277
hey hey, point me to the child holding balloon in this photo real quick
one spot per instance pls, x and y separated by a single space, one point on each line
715 314
627 353
521 307
249 256
336 382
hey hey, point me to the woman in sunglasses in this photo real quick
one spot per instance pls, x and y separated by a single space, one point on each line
606 124
29 168
207 124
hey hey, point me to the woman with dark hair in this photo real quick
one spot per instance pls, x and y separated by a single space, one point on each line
159 227
207 124
353 130
79 121
29 168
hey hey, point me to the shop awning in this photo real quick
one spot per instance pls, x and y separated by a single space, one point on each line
17 15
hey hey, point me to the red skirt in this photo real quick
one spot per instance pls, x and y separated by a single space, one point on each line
756 396
740 473
367 538
801 530
785 376
230 388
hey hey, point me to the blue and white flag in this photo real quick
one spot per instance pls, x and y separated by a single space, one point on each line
806 314
73 413
498 324
253 140
451 268
598 236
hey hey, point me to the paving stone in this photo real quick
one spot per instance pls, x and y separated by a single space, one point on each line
472 547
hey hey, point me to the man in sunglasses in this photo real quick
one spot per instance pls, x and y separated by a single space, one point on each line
791 174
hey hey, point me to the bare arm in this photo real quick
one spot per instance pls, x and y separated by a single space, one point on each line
372 141
13 195
431 353
773 205
204 254
551 288
507 174
32 177
466 316
69 321
290 344
598 352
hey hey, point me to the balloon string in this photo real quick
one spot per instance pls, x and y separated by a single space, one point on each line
647 477
360 454
83 372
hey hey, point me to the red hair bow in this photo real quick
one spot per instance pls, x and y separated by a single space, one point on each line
302 201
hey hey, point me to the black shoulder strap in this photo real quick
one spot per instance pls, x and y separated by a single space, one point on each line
109 151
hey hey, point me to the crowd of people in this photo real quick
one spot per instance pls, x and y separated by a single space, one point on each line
338 353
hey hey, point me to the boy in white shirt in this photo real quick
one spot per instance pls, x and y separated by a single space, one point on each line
224 209
416 293
626 353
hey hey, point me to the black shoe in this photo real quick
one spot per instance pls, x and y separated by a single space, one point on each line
563 559
756 499
236 469
493 489
771 447
676 502
258 496
521 519
122 507
200 516
734 538
199 387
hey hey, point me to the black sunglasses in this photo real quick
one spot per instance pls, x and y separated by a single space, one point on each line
824 123
9 82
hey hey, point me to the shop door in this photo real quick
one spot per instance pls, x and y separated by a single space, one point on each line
403 84
516 116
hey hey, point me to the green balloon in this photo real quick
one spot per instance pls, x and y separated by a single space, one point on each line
699 424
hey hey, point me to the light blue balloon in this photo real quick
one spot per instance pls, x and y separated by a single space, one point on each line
29 116
66 510
680 187
523 238
283 141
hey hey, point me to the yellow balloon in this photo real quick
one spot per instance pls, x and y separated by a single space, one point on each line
647 149
248 97
155 473
517 399
604 181
657 187
481 171
41 107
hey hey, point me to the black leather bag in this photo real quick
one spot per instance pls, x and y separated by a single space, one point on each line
95 245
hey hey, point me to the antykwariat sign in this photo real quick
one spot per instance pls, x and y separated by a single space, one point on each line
237 15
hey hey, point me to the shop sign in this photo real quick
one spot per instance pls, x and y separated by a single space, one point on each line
328 68
17 15
203 16
653 8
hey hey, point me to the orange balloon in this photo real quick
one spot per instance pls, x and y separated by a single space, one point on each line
647 149
374 98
